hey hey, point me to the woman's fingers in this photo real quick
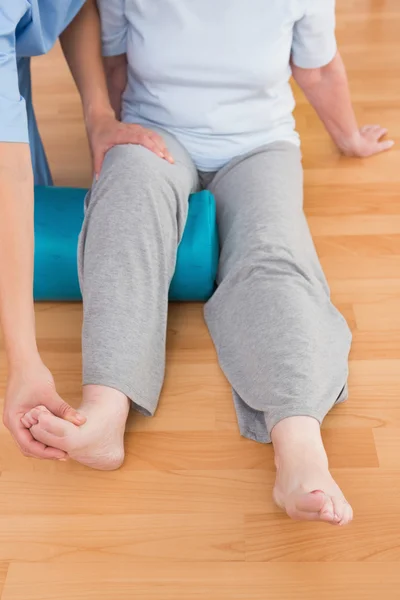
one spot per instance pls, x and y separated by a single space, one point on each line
369 128
372 140
384 146
377 133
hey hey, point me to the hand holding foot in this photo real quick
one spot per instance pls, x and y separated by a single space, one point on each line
100 442
31 385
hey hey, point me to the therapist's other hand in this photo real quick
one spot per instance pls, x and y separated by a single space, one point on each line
30 386
105 132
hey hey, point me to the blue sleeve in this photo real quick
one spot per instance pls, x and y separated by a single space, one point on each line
114 26
314 40
13 119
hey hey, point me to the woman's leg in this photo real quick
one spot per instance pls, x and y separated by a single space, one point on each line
135 217
281 343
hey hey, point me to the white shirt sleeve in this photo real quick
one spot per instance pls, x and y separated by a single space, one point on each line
114 26
314 40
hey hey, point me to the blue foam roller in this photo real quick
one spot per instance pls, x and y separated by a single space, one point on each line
58 220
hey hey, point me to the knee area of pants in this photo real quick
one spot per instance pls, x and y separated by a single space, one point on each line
131 184
135 162
275 258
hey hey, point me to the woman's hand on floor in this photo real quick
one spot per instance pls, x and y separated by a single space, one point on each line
366 142
30 386
106 132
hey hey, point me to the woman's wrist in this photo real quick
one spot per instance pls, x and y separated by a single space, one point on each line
350 145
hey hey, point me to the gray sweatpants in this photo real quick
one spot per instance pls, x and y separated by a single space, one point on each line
281 343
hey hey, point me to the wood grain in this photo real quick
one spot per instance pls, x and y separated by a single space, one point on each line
190 516
120 580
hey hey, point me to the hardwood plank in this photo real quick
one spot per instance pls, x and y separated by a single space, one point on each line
67 490
388 447
220 581
139 538
3 575
369 267
346 291
378 316
356 245
269 538
357 225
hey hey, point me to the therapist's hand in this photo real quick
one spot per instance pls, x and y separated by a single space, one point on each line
106 131
30 386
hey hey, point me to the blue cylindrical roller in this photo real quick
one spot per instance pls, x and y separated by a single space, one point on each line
58 220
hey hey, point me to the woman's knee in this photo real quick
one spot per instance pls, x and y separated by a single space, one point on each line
261 257
133 182
132 166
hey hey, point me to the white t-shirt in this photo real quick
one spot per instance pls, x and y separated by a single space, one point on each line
215 73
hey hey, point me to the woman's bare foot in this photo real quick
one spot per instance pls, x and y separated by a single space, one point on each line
99 443
304 487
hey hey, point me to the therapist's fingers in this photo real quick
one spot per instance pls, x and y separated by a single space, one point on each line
32 448
98 158
148 139
161 151
126 133
161 145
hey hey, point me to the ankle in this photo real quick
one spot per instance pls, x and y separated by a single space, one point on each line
298 441
99 396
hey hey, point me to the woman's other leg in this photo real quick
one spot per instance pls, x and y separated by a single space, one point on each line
135 217
281 343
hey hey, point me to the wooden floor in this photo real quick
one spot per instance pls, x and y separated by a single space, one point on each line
190 515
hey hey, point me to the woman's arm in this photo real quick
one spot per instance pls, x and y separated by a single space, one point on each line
327 90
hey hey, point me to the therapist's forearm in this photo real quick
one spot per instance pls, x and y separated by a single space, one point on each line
16 252
116 68
81 43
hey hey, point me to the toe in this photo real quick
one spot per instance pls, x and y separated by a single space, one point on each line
315 506
27 421
327 512
339 507
312 502
347 516
55 432
55 426
32 417
49 439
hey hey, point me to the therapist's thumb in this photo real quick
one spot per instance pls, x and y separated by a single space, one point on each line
60 408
